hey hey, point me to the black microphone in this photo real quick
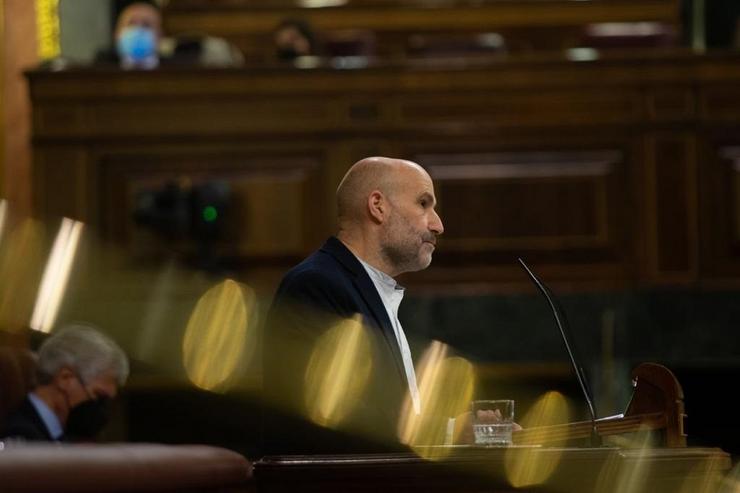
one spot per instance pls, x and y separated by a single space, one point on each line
562 324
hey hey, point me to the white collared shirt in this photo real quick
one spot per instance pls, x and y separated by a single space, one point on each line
50 419
391 294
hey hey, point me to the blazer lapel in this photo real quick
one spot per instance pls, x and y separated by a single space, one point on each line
372 298
370 295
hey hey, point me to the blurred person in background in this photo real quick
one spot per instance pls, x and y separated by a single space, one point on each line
294 38
140 44
79 371
137 37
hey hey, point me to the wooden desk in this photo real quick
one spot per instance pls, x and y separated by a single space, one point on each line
472 469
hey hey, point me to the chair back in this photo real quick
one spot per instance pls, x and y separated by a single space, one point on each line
17 378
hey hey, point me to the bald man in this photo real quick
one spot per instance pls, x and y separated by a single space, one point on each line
387 226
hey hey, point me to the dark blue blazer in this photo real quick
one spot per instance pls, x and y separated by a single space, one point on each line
25 423
329 285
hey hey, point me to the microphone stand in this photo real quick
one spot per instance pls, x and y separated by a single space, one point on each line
562 323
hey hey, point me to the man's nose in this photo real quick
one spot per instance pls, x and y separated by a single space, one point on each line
436 224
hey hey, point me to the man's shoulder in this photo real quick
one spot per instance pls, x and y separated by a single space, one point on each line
325 280
331 264
23 428
24 423
318 271
318 264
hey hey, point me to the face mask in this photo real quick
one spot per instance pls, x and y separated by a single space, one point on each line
86 419
137 43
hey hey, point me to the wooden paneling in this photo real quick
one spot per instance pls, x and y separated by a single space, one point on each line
18 52
720 103
3 43
270 211
672 214
672 104
525 108
64 168
720 210
555 200
563 208
123 118
599 172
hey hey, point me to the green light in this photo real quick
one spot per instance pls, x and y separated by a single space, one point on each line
210 214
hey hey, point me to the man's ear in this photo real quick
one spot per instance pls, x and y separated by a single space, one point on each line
64 377
377 206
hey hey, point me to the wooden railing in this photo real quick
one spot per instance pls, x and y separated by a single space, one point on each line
601 173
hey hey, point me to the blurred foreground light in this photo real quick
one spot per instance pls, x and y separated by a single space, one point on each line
527 466
56 275
338 372
706 477
221 334
446 387
428 371
731 483
154 327
20 271
618 474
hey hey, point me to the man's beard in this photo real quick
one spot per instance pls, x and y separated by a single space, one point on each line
401 247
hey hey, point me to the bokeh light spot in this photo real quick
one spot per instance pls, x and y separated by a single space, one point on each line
220 335
338 372
528 466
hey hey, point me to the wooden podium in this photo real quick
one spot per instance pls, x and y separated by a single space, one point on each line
656 406
531 465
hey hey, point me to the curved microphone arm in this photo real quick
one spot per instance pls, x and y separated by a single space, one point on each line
561 323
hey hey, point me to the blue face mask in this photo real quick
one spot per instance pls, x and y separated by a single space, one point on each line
137 43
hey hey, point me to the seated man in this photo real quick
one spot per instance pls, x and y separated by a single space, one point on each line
79 370
140 44
137 37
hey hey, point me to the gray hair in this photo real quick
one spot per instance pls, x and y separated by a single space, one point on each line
83 349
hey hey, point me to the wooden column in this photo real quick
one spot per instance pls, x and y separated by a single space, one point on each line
19 52
2 99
